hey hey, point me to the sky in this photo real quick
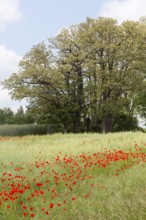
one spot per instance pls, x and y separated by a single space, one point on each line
24 23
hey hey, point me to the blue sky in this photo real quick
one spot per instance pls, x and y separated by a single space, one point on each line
41 19
24 23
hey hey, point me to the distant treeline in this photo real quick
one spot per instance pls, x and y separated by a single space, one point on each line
7 116
25 122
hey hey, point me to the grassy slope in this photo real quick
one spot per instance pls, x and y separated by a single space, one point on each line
124 196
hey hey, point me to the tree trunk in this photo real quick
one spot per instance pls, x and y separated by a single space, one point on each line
110 122
65 125
104 124
107 124
76 123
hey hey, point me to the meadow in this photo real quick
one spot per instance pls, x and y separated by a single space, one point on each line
73 177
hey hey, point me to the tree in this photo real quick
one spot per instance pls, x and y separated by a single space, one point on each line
71 67
39 81
115 66
94 70
23 117
6 116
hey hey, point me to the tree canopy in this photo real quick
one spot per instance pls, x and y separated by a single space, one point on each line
90 77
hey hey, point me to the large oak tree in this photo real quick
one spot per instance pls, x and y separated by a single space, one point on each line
94 70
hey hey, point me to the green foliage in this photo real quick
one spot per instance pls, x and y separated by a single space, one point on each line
6 116
125 123
93 70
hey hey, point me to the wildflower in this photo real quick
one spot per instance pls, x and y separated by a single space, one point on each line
51 205
24 213
32 215
39 184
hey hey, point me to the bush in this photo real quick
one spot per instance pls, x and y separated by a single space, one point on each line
22 130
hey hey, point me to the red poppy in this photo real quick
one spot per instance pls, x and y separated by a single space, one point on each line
51 205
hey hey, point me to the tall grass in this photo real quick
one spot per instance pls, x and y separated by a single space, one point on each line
116 191
22 130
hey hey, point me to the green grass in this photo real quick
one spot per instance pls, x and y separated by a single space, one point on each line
79 185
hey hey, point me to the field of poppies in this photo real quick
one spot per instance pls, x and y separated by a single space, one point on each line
73 177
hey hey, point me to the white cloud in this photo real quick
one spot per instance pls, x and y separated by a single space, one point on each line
7 102
9 61
123 9
9 12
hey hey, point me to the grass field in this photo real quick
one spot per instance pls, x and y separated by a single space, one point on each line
73 177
